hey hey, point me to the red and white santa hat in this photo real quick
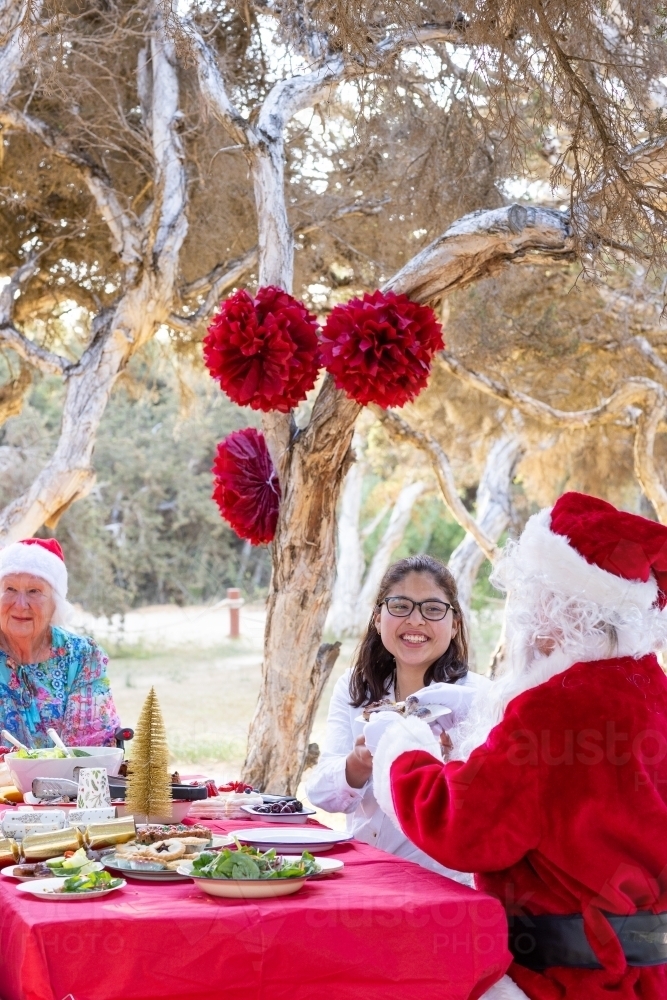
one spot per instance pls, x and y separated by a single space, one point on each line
42 557
584 547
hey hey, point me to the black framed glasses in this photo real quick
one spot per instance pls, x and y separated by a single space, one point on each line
402 607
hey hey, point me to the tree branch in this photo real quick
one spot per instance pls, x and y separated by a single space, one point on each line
401 429
38 357
481 244
646 469
213 88
631 392
125 233
224 276
13 23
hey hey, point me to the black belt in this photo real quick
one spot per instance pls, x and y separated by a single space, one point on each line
545 941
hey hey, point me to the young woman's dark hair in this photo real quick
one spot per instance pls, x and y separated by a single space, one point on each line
374 666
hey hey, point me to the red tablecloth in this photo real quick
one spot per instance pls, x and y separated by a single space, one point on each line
384 929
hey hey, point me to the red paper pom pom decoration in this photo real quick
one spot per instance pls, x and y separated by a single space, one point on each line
246 487
379 348
263 351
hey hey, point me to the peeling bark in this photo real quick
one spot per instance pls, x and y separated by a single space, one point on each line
120 331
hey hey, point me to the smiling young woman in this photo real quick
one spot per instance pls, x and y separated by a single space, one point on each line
416 642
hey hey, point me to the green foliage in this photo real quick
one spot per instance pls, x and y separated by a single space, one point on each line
148 532
431 529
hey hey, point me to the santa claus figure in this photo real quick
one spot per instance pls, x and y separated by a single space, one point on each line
555 792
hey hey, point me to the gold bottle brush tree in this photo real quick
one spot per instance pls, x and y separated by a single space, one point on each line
149 782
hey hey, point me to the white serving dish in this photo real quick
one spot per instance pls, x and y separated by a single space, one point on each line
43 888
328 866
9 873
265 888
286 841
125 867
295 819
24 771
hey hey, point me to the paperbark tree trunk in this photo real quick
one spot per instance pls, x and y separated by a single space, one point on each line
391 539
493 515
349 555
150 254
352 600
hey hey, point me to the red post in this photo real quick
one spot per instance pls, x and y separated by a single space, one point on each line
235 602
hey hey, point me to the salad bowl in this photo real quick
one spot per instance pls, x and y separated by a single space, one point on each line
24 769
245 888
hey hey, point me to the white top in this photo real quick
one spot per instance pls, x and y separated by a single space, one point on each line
328 788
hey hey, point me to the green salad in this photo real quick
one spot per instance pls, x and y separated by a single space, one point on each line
89 883
76 864
51 753
249 863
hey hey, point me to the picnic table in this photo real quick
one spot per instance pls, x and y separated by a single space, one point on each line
381 929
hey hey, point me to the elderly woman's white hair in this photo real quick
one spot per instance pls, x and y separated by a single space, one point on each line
42 557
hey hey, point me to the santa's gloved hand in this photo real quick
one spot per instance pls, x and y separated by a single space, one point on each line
457 697
377 726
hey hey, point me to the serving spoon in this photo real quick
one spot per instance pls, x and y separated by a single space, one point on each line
53 736
12 739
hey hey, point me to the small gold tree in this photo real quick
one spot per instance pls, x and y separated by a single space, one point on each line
149 784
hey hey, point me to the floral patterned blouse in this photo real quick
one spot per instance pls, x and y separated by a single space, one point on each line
69 692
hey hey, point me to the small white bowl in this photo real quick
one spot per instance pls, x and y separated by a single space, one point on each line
296 819
230 888
23 770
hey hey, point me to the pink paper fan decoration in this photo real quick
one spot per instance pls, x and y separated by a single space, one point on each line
379 348
263 351
246 487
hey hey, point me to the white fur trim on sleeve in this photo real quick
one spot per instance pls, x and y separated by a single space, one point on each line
504 989
401 737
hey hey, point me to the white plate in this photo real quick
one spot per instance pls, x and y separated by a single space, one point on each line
9 873
286 841
295 819
121 867
264 888
327 865
44 887
435 712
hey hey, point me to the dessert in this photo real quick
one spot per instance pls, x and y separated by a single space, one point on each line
410 706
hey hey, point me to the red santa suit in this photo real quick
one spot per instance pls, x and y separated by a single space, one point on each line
561 807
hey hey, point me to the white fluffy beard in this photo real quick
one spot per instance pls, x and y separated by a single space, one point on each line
576 630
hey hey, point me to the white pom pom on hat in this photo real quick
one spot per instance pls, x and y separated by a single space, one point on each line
41 557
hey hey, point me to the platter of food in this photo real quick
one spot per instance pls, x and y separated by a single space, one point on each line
27 872
77 863
248 873
290 812
312 839
410 708
157 851
143 871
92 886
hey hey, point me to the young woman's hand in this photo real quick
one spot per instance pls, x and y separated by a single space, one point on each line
359 764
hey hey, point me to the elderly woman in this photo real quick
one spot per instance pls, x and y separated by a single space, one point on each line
49 677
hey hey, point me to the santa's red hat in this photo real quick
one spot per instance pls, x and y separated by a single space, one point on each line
42 557
584 547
